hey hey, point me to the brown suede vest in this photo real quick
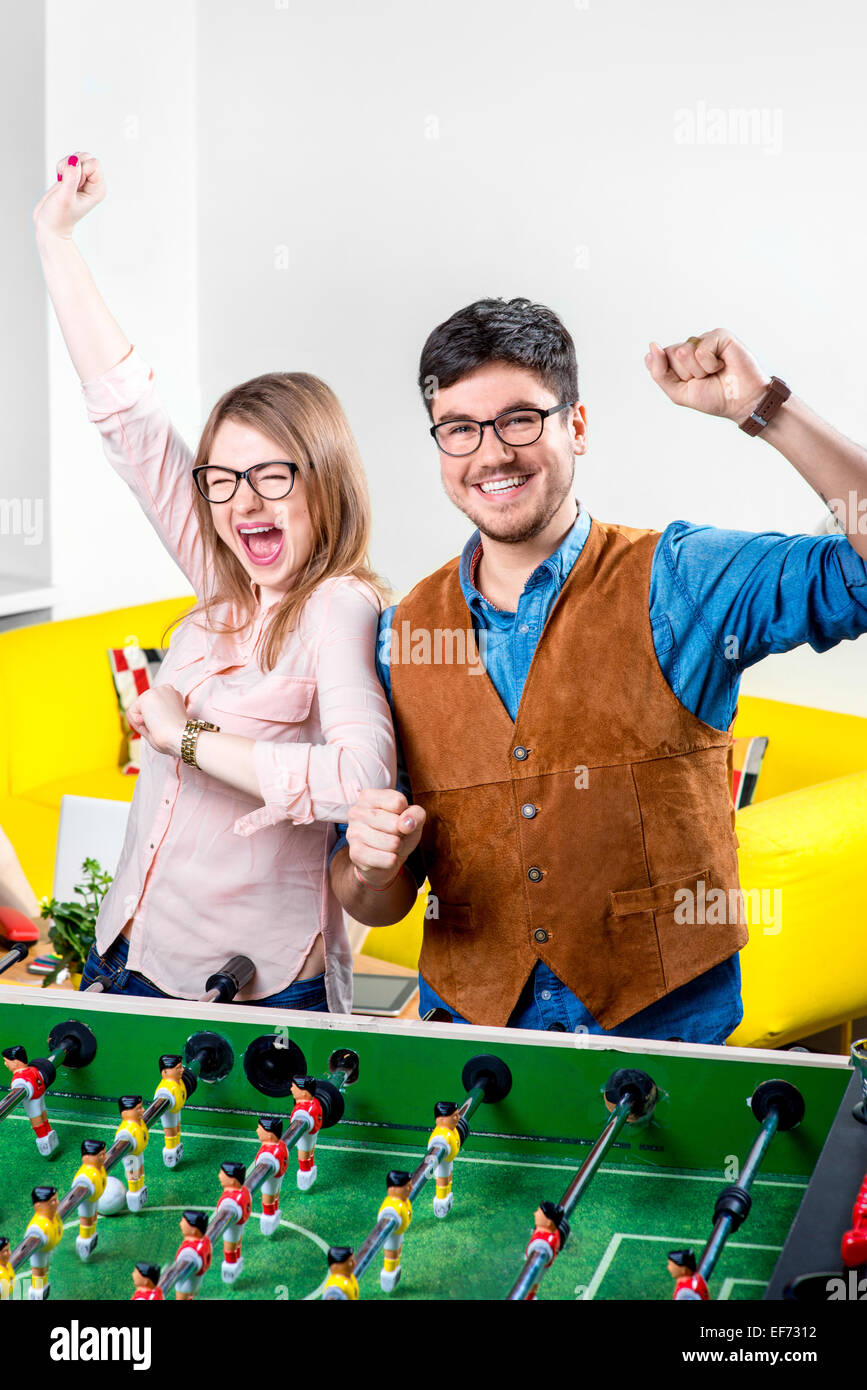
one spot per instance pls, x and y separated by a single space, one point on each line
564 836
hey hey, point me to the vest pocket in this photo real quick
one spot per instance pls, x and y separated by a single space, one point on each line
657 896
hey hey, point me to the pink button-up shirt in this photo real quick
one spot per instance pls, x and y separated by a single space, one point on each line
207 871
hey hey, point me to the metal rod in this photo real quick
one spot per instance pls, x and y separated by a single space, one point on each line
535 1265
12 957
723 1226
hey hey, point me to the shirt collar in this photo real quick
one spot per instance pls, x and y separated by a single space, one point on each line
555 570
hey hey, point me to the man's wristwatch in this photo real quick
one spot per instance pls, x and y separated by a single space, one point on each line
190 737
767 407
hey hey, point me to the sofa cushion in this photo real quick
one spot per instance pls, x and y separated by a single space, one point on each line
109 783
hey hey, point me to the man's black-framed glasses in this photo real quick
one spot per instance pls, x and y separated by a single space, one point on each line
269 480
515 428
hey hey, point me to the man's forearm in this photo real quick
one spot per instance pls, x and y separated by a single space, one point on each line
834 466
371 908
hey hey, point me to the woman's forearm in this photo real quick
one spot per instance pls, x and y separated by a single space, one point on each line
95 341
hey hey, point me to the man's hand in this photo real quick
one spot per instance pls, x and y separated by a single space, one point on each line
382 831
713 373
160 716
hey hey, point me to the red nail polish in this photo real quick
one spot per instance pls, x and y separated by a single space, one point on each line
73 159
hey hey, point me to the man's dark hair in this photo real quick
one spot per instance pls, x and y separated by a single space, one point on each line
500 330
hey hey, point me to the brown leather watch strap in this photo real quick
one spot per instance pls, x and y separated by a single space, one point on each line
767 407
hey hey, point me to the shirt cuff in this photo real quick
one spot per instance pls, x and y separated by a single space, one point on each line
282 773
118 388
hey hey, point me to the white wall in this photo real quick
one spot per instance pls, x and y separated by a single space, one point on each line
326 139
24 466
121 84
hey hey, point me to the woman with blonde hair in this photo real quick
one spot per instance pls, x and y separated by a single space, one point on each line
267 717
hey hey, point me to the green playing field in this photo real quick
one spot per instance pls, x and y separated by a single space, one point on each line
621 1230
655 1191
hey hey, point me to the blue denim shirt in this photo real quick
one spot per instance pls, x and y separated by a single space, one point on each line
719 602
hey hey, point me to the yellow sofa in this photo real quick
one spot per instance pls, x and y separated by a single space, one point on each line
805 836
60 731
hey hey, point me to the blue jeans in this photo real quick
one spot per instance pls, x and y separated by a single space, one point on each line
111 969
682 1015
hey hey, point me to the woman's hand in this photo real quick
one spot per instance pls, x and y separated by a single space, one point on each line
80 186
160 715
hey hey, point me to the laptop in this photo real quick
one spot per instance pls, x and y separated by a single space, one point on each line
90 828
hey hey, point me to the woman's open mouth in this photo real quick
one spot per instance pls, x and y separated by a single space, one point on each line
263 544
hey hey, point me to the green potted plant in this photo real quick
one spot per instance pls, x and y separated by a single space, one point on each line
73 924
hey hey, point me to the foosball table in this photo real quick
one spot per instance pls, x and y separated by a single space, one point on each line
225 1151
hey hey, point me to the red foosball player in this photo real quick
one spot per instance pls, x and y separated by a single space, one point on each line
7 1273
341 1283
549 1236
306 1105
92 1174
47 1226
397 1186
240 1199
275 1153
146 1279
172 1088
854 1246
450 1131
688 1285
30 1080
194 1225
133 1127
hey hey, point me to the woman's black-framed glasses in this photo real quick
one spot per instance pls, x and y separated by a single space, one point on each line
514 427
269 480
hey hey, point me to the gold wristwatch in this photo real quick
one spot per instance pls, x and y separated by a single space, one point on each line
190 737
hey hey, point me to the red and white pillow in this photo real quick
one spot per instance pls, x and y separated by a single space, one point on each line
747 755
133 671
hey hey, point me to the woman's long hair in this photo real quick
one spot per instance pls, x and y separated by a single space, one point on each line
304 418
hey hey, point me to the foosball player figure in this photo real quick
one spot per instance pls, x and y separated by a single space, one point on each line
194 1225
341 1280
132 1124
275 1153
304 1095
172 1088
239 1197
397 1186
47 1226
7 1273
687 1284
453 1131
92 1173
854 1243
30 1080
146 1279
549 1236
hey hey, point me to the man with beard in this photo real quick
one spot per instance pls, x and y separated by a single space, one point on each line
568 796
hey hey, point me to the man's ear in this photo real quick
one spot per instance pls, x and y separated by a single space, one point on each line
578 428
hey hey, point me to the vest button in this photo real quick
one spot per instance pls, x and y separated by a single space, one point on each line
534 875
540 935
528 810
520 753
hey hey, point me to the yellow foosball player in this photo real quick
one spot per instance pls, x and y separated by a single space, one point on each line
92 1175
7 1273
173 1089
450 1131
47 1227
133 1127
396 1199
341 1283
